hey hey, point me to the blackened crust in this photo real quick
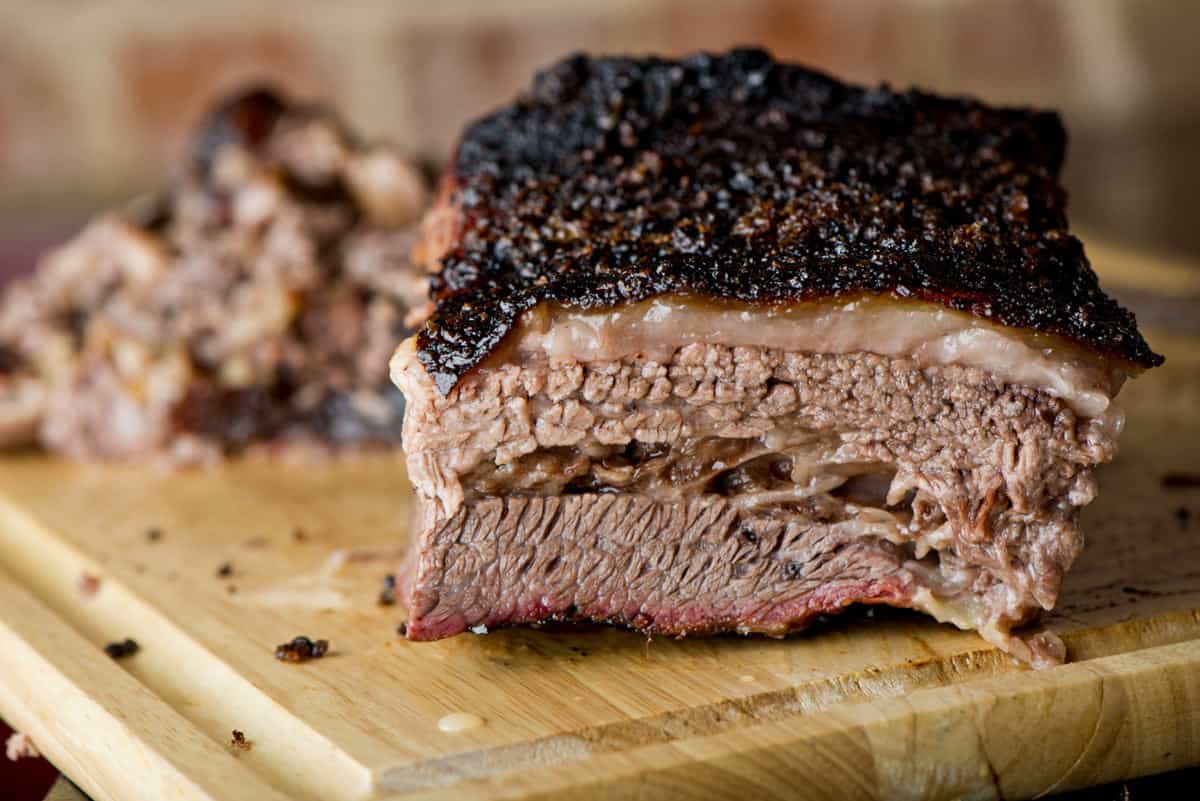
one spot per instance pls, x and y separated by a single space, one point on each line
732 176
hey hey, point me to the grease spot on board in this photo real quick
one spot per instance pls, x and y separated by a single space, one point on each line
322 588
460 721
338 582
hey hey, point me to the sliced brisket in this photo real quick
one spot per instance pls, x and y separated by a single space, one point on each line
967 489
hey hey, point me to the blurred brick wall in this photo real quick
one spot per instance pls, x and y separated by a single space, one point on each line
96 97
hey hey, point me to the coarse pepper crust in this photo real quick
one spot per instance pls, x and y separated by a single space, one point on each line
733 176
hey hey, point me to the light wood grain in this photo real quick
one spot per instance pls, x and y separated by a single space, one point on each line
99 724
1122 267
891 707
1015 736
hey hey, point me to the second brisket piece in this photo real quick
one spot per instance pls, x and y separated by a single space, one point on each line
254 303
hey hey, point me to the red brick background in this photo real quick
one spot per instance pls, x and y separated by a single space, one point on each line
168 80
96 96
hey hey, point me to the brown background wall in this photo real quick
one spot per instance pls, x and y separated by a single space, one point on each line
96 97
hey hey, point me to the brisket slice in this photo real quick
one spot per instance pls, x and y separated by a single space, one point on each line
723 345
255 302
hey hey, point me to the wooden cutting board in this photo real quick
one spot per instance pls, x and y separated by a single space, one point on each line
885 707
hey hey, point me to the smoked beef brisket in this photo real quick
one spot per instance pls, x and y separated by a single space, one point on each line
723 344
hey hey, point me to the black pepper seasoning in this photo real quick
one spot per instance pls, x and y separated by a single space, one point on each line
387 595
121 648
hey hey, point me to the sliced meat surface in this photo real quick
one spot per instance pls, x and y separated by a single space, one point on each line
969 488
524 559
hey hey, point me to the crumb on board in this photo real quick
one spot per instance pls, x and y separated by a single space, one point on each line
20 745
1180 480
239 741
301 649
122 648
299 534
224 570
154 534
387 594
402 628
231 589
89 585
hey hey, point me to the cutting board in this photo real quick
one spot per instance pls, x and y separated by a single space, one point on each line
209 570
